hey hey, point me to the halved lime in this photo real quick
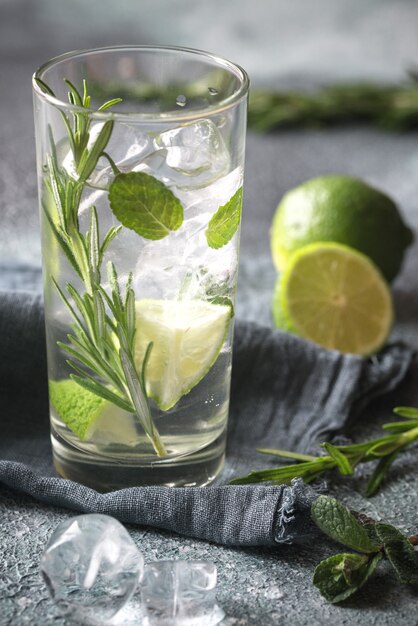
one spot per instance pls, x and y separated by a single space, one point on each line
89 417
345 210
187 338
336 297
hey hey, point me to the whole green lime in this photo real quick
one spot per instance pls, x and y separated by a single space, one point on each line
344 210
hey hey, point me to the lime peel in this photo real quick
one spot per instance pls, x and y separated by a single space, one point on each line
89 417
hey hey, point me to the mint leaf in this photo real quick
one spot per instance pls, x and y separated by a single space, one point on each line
336 521
400 553
372 534
340 576
145 205
224 223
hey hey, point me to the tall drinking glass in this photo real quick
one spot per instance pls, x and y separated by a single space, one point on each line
140 156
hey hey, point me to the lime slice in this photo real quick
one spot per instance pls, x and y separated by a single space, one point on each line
89 417
187 338
336 297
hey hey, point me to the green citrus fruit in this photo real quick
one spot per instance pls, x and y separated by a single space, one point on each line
279 318
187 338
335 296
89 417
345 210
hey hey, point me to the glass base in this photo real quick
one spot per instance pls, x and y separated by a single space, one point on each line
106 474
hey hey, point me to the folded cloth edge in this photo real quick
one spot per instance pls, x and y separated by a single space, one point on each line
232 515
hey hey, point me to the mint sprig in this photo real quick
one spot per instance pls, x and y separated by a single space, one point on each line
345 458
144 204
342 575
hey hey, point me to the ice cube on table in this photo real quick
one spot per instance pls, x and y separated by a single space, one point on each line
180 593
91 567
190 156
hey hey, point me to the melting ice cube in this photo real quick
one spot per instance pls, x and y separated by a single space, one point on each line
91 567
190 156
127 146
180 593
182 265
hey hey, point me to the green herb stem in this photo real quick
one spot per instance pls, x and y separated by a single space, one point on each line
392 107
101 342
345 457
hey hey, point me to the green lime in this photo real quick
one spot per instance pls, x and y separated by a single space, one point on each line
187 338
279 318
89 417
335 296
345 210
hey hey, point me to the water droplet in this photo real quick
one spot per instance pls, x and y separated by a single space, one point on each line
213 91
181 100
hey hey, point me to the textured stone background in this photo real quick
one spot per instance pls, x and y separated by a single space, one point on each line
280 43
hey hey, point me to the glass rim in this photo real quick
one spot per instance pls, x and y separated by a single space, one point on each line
175 115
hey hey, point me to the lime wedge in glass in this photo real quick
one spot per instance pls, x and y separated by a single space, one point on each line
91 417
187 338
336 297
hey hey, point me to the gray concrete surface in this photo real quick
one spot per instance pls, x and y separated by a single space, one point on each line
280 43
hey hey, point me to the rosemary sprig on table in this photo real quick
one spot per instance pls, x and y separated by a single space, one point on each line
103 324
393 107
344 458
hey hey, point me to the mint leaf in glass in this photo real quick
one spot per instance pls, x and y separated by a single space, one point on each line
399 551
224 223
341 575
144 204
336 521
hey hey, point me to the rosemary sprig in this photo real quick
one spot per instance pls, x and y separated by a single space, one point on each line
344 458
393 107
101 346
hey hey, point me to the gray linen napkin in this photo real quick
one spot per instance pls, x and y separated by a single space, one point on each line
285 393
